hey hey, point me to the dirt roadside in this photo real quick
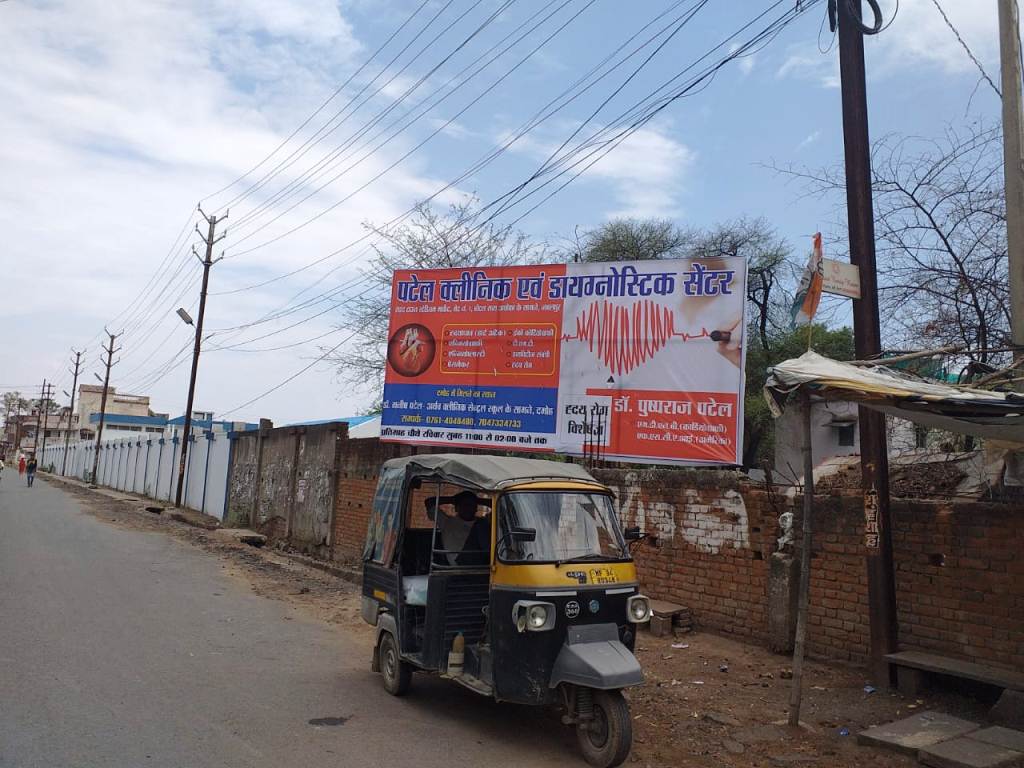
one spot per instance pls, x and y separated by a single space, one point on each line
708 701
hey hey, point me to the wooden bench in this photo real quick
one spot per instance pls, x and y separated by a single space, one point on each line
912 668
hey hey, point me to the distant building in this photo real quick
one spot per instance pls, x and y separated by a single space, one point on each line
25 430
90 401
116 426
834 432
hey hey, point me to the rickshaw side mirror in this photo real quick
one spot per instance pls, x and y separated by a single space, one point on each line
523 534
633 534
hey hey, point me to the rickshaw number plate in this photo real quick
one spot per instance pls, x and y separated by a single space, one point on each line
572 609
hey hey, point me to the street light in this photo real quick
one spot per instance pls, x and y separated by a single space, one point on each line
185 316
98 377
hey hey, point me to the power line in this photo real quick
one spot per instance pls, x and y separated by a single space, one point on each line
745 50
966 48
698 82
330 127
412 88
333 158
329 99
541 116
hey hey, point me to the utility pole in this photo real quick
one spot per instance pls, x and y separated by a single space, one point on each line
867 341
71 412
1013 170
210 240
109 349
17 425
44 399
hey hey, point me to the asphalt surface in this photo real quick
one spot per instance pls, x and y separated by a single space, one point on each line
128 648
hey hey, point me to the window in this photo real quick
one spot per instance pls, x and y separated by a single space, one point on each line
846 435
568 527
920 436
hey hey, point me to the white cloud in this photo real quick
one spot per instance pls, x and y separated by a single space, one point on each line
824 69
808 140
646 172
644 175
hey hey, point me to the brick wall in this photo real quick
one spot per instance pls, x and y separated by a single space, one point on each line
960 579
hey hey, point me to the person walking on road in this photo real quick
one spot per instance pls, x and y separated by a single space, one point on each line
30 468
21 464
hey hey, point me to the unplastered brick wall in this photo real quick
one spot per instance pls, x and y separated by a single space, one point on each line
960 580
960 577
708 539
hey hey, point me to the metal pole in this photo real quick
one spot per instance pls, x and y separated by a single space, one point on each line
145 468
207 262
867 342
206 471
71 414
1013 170
796 691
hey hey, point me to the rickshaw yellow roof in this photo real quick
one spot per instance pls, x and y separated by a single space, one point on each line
488 473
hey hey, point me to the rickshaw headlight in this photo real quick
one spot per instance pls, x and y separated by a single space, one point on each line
538 616
533 616
638 609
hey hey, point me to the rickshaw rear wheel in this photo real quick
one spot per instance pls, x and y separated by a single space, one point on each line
606 739
397 674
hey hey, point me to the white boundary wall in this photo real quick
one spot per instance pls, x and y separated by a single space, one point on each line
149 466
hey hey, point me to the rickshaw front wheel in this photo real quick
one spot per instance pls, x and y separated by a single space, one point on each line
397 674
606 739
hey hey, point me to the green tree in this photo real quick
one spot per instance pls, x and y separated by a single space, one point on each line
758 424
628 239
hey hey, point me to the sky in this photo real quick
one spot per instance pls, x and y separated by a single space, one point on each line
306 120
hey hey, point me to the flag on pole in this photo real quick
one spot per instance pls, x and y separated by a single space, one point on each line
808 293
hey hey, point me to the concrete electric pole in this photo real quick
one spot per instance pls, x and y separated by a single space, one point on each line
109 363
44 407
867 337
210 240
71 412
1013 170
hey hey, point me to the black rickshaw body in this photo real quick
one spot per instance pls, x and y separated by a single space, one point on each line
426 597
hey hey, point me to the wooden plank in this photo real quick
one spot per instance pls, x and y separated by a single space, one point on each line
943 665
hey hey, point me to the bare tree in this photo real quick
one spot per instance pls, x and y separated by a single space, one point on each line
431 239
768 267
941 238
766 253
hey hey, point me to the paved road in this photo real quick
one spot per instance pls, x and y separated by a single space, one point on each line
126 648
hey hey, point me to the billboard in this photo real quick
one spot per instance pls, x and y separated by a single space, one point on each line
630 361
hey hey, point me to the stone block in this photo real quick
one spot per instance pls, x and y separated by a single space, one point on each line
783 591
914 733
1000 737
910 681
661 626
1009 710
968 753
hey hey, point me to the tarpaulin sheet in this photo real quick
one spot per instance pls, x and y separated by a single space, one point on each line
981 413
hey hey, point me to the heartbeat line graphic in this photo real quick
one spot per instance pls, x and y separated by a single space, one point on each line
623 338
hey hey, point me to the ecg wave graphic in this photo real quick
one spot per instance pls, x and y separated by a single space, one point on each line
623 338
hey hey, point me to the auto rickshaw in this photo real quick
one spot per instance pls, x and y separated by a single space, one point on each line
530 596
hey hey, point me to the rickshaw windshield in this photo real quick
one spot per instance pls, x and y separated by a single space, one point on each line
569 526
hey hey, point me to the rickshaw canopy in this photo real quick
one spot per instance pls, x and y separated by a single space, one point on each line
487 473
473 471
